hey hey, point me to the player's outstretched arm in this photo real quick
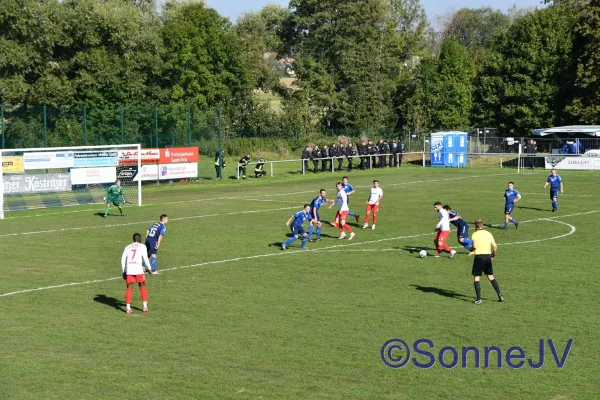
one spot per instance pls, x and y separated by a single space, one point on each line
158 241
289 221
562 189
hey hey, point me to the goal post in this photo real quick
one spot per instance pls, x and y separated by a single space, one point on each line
67 176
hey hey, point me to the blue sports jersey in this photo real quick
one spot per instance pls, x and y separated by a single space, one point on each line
459 222
347 187
299 219
317 202
157 229
510 195
554 182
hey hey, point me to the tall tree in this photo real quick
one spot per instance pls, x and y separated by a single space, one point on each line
585 107
203 64
260 42
523 86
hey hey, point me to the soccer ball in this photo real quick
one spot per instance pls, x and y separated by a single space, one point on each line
423 253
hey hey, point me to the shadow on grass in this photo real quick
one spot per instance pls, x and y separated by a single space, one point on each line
442 292
112 302
535 208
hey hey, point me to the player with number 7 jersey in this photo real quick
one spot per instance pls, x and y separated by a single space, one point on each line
154 236
132 263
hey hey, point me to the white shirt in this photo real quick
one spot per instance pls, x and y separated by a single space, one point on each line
444 224
375 194
342 200
131 261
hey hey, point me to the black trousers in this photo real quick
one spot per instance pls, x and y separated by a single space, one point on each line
349 163
316 165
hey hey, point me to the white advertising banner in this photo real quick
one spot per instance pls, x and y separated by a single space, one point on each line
573 162
149 173
178 171
47 160
50 183
86 176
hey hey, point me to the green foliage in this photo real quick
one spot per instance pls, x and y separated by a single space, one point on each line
585 107
203 65
441 96
523 87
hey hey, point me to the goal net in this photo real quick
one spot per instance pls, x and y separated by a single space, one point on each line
67 176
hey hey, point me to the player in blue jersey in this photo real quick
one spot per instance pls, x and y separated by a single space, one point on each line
347 187
556 184
296 221
314 213
462 227
511 197
154 236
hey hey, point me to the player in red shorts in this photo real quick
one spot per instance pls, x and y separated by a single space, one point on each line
373 204
135 256
340 217
443 230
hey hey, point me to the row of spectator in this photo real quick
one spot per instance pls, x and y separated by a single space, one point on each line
371 155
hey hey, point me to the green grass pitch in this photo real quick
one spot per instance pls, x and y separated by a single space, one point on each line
232 316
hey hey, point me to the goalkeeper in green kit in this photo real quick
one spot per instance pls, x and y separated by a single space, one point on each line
114 195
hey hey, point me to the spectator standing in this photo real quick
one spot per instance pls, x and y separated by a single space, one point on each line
373 150
305 158
531 150
243 163
315 155
350 153
362 152
219 159
324 155
384 149
393 159
401 149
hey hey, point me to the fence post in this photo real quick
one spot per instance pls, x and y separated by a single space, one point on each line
221 156
84 126
45 127
423 157
2 124
156 124
189 123
121 115
271 169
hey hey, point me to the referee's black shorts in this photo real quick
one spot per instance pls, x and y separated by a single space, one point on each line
482 264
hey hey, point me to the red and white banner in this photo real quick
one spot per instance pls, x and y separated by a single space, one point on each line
178 171
177 155
129 157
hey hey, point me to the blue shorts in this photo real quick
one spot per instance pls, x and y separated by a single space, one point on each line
553 193
151 247
508 208
298 230
463 231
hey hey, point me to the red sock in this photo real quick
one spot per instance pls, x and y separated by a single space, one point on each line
446 247
374 219
144 293
339 226
366 218
348 228
128 293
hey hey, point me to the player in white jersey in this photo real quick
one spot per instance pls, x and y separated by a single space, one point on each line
443 230
134 257
340 217
373 204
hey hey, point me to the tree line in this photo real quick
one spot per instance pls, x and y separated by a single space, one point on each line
359 65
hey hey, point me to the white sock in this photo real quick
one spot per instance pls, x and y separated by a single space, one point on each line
129 306
145 304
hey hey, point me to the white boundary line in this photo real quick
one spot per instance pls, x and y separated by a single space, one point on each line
250 197
144 222
286 252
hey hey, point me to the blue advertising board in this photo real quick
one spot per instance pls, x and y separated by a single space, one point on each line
85 159
449 149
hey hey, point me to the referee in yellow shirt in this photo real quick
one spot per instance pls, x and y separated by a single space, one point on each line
485 251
